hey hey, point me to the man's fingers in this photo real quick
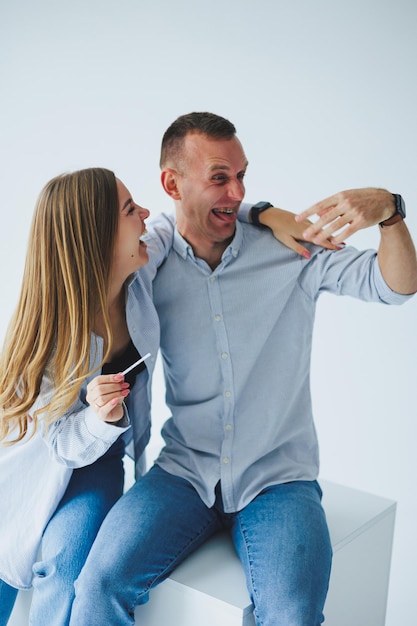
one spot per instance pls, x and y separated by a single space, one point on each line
320 208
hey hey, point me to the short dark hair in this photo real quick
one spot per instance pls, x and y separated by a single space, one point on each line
208 124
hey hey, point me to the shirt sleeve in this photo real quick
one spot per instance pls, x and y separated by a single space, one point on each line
244 210
159 240
348 272
79 437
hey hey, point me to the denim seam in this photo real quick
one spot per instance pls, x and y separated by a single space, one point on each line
250 562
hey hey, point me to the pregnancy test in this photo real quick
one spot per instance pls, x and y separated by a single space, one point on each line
131 367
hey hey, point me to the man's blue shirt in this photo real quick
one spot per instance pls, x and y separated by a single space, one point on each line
236 345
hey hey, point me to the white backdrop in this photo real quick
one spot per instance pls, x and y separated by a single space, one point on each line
324 97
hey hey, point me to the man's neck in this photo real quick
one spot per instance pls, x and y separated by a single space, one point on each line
209 251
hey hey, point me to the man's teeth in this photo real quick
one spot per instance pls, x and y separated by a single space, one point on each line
228 211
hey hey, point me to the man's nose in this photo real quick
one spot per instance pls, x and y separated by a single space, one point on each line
236 190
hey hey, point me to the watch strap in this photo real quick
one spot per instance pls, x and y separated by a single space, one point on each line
256 210
399 214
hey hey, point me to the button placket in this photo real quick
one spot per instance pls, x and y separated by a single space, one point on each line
214 291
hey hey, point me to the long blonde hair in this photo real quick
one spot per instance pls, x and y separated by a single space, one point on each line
64 285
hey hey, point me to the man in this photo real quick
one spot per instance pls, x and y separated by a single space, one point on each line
236 311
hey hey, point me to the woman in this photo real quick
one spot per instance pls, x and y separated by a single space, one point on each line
73 331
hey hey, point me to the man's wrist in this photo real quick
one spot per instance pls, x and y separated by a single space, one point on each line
399 213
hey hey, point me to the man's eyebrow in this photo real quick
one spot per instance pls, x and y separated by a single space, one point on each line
218 166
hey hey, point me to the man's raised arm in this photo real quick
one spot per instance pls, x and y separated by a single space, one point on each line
346 212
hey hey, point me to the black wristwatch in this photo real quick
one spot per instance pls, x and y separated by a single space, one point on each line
257 209
399 212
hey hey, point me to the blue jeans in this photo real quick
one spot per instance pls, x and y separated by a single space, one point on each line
68 537
7 599
281 538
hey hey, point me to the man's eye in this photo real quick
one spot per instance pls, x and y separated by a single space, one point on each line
220 177
241 176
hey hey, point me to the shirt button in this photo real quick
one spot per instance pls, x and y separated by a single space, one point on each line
225 460
225 355
212 278
217 318
228 394
228 427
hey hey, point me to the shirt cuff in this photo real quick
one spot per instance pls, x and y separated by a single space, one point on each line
105 430
244 211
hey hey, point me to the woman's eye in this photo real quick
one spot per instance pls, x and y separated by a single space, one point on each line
131 210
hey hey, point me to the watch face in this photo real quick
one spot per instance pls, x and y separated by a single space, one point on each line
399 205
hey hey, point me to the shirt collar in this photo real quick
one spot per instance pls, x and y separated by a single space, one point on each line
129 280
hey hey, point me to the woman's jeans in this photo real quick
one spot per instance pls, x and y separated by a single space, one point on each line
281 538
7 599
68 537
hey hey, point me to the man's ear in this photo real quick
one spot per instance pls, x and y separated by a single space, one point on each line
169 178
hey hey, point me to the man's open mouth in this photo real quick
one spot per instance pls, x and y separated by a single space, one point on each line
226 215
